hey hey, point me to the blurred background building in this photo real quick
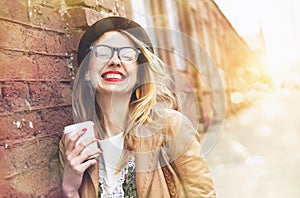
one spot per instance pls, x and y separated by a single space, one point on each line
38 46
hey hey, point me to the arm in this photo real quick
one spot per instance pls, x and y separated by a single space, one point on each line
184 150
73 164
194 173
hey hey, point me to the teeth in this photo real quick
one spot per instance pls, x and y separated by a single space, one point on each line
117 76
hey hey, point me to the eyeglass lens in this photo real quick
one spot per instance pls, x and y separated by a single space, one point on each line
103 52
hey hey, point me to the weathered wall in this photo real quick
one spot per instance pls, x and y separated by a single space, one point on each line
38 42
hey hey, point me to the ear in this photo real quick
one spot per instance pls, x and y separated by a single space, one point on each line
87 76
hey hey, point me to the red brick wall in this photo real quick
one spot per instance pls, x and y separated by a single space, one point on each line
38 42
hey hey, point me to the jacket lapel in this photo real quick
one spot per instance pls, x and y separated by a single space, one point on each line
146 159
143 175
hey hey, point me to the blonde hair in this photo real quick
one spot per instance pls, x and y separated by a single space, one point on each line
154 95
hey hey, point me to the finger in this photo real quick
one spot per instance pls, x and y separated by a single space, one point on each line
78 149
79 168
79 156
83 145
90 154
76 163
87 164
71 142
91 140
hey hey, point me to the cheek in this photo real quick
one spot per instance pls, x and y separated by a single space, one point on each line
96 65
94 70
132 69
134 73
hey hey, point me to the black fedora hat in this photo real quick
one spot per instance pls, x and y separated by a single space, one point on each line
108 24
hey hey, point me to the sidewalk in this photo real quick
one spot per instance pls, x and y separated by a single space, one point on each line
258 153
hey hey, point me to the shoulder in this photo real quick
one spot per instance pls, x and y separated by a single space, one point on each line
176 125
175 119
179 133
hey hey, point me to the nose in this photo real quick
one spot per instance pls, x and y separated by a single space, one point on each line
115 59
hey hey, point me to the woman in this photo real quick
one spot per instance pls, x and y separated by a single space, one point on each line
148 149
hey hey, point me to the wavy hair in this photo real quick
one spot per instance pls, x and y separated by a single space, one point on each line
143 110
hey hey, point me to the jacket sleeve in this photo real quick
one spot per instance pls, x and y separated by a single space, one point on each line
184 151
62 155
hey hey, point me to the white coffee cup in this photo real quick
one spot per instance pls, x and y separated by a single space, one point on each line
89 135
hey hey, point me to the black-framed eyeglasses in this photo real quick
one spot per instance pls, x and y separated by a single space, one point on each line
105 53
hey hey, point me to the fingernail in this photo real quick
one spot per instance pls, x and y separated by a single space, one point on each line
97 137
84 130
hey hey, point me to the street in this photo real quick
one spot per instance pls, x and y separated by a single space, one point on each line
258 152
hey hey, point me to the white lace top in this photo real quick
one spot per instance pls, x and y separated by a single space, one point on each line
110 182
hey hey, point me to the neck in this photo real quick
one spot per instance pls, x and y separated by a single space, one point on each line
115 110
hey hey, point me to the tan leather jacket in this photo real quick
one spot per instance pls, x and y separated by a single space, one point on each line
186 176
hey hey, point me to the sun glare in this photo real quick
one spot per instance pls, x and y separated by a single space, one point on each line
279 21
281 37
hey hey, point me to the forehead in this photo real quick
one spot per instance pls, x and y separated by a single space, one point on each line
114 38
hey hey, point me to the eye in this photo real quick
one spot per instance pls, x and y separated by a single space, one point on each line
102 52
128 54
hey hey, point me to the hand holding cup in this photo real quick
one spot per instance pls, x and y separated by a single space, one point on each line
81 153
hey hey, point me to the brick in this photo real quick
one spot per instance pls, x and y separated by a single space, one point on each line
88 3
50 3
128 10
91 3
93 16
76 18
44 94
1 99
61 68
107 4
72 65
206 109
120 8
54 120
11 35
50 67
19 37
46 42
46 67
16 10
41 13
73 40
30 162
4 66
47 17
21 125
56 43
35 40
4 186
17 65
83 17
66 93
15 94
50 94
74 2
5 129
204 84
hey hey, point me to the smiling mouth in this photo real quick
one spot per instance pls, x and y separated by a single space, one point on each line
113 76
